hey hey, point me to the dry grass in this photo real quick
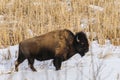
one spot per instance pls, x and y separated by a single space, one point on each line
22 19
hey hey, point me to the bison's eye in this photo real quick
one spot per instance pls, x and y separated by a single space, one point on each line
82 43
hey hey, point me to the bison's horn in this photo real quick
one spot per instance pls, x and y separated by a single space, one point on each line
77 39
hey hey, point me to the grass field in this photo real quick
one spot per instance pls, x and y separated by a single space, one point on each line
22 19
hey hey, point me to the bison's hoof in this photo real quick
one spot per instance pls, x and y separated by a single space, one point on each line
34 70
57 69
16 69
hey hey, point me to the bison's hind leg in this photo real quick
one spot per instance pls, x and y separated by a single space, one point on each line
30 63
18 61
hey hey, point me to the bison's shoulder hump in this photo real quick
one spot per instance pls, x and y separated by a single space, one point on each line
68 34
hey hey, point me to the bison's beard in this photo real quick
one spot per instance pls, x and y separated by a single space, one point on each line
82 51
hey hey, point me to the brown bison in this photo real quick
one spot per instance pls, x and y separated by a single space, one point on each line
58 45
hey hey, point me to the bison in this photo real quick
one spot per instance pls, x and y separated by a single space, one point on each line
58 45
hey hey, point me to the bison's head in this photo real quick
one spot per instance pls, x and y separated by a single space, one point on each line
81 43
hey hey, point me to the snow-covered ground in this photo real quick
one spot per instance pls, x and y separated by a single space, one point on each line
102 62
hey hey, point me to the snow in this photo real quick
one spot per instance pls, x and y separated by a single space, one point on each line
96 8
100 63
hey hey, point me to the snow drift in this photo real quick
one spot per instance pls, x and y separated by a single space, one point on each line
100 63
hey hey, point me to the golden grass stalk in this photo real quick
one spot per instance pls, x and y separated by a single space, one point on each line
39 17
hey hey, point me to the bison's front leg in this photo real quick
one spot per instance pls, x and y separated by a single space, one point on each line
57 62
